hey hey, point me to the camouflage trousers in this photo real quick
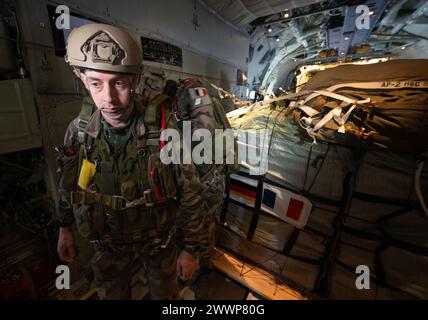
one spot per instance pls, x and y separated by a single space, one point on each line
213 196
113 269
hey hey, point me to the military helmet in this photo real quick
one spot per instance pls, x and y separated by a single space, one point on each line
103 47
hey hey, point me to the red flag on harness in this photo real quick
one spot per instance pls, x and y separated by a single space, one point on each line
201 91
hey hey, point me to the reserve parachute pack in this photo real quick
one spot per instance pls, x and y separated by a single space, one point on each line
379 106
193 103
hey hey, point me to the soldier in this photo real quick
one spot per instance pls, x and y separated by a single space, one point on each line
113 185
194 103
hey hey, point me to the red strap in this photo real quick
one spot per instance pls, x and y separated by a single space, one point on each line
155 186
163 126
188 80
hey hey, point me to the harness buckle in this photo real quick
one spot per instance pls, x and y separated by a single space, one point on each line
177 116
145 200
161 244
79 121
118 203
148 198
136 203
141 152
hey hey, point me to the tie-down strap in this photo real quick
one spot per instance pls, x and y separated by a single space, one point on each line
334 114
114 202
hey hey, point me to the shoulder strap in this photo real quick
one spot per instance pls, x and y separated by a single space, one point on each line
152 114
156 116
84 116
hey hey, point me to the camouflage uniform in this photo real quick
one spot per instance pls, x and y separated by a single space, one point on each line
127 165
112 266
213 196
200 111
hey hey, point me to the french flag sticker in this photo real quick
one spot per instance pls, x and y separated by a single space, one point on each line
201 91
286 205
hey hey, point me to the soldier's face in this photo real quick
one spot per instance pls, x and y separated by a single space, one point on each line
111 93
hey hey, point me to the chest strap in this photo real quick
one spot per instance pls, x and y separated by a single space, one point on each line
114 202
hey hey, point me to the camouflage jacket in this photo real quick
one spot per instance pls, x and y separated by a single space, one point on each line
188 189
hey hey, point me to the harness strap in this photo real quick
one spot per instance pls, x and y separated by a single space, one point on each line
84 116
153 111
107 177
114 202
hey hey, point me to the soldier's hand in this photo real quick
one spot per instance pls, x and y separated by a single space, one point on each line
66 248
187 264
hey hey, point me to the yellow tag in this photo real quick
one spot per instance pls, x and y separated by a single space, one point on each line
86 174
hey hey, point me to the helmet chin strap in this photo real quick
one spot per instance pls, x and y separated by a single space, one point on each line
135 83
76 72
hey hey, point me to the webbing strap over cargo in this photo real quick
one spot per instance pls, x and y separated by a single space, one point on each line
389 85
336 96
386 85
335 114
257 208
222 93
329 92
